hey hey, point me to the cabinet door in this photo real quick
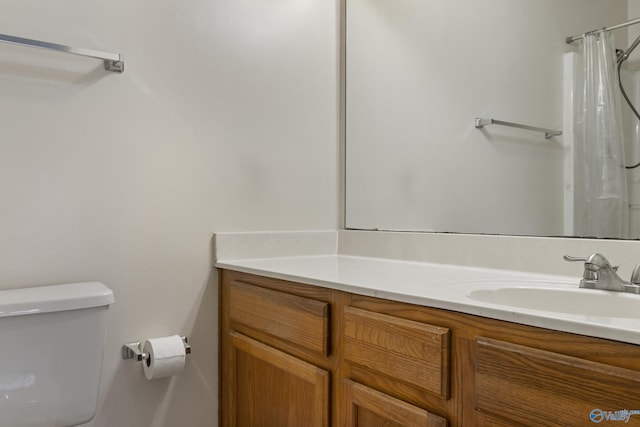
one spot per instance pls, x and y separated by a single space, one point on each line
366 407
531 387
269 388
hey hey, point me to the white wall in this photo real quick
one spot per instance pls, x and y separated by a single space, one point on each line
225 119
418 73
633 7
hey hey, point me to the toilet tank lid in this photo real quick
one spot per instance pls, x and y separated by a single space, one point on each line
44 299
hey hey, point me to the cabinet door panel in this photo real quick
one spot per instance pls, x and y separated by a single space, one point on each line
535 387
273 388
367 407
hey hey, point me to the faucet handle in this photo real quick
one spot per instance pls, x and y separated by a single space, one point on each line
592 262
590 275
574 259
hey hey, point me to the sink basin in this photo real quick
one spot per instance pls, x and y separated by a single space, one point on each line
576 301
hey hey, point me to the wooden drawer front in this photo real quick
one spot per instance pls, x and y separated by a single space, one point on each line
298 320
533 387
412 352
367 407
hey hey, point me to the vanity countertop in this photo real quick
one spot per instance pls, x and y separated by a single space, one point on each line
441 286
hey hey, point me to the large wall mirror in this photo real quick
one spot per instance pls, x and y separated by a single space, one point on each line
418 74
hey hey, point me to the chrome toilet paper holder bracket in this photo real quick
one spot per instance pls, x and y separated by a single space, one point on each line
133 350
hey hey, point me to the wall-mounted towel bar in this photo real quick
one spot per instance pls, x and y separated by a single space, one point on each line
548 133
112 61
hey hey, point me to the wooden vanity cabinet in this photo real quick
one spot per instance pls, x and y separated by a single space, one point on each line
297 355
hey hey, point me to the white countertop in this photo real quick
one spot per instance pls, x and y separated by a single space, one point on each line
440 286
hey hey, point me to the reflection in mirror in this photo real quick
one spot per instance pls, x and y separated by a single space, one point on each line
418 74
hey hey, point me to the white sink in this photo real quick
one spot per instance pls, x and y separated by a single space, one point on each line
560 299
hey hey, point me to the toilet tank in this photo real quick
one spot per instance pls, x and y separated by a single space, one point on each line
51 347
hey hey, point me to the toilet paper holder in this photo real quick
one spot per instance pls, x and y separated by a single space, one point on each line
133 350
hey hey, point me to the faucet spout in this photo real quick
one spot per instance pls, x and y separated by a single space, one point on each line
606 279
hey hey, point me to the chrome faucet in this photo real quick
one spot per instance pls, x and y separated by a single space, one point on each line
599 274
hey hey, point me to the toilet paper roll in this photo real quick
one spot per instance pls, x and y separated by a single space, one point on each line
166 357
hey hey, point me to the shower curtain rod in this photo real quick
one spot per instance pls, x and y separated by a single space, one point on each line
570 40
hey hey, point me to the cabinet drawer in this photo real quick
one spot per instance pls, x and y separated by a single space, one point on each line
298 320
408 351
535 387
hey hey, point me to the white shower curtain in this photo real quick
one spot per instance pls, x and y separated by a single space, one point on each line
602 206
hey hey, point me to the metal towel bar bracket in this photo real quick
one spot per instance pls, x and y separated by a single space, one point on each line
112 61
548 133
133 350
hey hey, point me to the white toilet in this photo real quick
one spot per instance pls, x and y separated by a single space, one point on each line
51 347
